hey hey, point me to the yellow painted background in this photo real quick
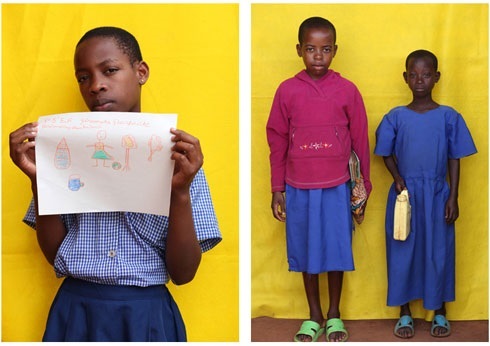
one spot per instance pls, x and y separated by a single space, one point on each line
192 51
373 42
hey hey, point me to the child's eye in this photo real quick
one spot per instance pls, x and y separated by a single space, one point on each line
309 49
111 70
82 78
327 50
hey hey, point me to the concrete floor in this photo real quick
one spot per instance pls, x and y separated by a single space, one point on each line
272 329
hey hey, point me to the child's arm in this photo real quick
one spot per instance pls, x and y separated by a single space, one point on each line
452 208
393 169
278 206
183 252
49 228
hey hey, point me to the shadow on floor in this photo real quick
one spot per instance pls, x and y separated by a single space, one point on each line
274 329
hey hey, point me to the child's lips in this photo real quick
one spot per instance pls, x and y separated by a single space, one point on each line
102 105
318 67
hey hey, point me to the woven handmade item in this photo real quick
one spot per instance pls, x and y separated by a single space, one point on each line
358 190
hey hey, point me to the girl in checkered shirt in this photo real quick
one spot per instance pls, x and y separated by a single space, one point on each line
116 291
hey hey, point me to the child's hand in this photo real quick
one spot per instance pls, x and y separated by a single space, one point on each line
22 152
399 184
452 210
188 158
278 206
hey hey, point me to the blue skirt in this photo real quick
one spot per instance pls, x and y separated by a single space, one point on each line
319 229
85 311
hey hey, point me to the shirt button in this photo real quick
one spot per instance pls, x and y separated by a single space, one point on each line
111 253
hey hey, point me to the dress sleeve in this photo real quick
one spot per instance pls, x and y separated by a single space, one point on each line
30 216
385 136
358 128
277 130
460 142
205 222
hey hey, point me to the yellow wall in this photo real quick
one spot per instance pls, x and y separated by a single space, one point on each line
374 40
192 51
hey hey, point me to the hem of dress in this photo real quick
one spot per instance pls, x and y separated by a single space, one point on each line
426 307
321 271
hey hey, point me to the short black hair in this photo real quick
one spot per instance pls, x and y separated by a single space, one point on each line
125 40
420 54
316 23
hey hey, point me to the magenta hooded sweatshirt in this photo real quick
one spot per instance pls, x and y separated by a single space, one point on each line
312 128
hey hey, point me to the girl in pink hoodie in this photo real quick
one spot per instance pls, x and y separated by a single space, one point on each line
317 119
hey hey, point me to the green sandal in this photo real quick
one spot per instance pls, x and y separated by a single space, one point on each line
311 329
335 325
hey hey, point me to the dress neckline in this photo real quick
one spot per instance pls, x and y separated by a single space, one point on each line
427 111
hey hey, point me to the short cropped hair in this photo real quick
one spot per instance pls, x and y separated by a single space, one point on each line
420 54
316 23
125 40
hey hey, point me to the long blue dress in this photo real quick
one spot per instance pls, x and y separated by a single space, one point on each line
423 266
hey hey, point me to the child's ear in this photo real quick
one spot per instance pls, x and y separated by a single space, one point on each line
143 71
438 75
298 50
405 77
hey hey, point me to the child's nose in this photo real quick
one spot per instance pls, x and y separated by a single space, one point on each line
97 86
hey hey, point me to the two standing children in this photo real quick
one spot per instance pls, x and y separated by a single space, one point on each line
317 119
116 264
421 143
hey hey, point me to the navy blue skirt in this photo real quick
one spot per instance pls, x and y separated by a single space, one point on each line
85 311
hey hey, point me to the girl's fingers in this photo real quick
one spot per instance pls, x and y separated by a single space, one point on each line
188 146
182 136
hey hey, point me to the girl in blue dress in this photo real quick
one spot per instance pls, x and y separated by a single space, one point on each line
421 144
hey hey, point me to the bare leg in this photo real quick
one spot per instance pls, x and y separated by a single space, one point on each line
335 280
312 290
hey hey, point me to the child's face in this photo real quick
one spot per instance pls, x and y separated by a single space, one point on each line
421 76
317 50
107 80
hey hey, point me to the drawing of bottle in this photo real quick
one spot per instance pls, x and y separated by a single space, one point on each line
62 159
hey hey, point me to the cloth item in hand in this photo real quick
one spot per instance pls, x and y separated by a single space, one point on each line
358 192
403 212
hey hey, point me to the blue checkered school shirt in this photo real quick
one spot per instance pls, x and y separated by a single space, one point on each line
122 248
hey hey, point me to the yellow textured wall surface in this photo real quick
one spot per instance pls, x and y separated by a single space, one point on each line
373 42
192 51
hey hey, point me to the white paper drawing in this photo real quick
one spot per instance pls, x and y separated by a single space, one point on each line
99 166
